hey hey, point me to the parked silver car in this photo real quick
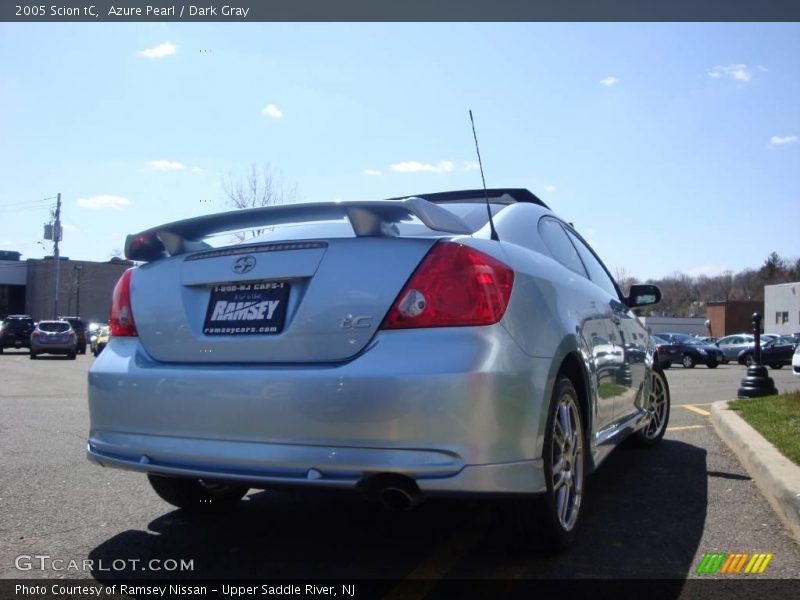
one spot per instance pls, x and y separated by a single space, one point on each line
400 348
732 345
54 337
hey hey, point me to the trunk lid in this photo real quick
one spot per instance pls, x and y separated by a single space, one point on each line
306 301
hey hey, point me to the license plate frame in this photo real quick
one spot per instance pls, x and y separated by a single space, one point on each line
237 309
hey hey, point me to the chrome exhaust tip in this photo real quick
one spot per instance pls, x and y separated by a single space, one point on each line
396 493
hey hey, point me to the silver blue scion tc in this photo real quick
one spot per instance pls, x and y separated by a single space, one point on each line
396 348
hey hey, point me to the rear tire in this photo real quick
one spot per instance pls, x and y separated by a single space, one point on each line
551 522
776 366
712 365
688 362
658 407
32 355
749 360
71 356
197 495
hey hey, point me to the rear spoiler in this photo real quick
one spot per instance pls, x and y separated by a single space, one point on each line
373 218
495 195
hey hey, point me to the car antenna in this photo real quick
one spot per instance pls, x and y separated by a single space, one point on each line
486 193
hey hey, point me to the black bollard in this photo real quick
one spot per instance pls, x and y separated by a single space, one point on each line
757 383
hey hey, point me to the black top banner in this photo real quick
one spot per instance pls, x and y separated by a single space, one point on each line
407 10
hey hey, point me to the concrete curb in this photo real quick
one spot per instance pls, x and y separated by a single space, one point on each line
776 476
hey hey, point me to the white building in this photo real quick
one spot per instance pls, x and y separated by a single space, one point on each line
782 308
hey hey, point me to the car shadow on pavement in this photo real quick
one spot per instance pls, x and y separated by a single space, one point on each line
644 518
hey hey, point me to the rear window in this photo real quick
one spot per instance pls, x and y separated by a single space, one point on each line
76 323
17 323
54 327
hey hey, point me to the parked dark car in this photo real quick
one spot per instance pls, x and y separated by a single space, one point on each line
694 351
667 351
775 353
15 332
79 327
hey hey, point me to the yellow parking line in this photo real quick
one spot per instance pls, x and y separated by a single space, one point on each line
699 411
426 575
686 427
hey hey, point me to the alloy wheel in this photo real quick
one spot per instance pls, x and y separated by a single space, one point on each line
656 407
567 461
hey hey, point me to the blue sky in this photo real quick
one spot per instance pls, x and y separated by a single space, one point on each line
671 147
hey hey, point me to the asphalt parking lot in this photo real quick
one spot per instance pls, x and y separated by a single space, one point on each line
650 513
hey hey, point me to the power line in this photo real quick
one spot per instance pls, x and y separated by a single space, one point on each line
26 209
26 202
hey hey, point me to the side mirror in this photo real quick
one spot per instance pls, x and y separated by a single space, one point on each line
643 294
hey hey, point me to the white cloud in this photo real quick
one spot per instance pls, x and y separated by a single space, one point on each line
197 170
762 68
270 110
104 201
413 166
549 188
372 172
68 227
471 165
609 81
160 51
165 165
739 72
777 140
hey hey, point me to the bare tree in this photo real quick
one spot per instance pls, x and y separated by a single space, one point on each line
259 187
624 279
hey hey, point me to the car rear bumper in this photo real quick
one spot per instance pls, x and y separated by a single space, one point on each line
55 348
669 358
464 419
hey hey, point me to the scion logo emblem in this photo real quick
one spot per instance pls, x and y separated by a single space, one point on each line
244 264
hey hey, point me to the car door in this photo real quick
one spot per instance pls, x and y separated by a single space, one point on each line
727 345
780 351
627 333
593 312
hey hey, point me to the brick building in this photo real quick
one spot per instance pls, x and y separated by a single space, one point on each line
85 287
732 316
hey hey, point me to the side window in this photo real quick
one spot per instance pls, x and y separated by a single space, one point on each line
597 272
556 240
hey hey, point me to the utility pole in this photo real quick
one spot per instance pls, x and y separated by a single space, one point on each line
78 270
56 255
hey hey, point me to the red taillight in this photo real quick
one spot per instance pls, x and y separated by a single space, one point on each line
454 285
120 317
